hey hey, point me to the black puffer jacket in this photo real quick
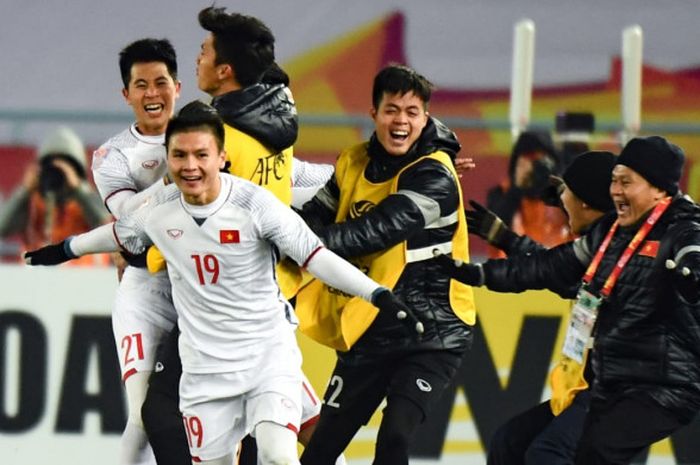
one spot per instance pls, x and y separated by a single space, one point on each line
422 286
647 337
265 112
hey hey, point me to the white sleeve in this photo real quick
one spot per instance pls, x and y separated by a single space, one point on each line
112 176
130 230
281 226
98 240
338 273
307 174
301 195
123 202
127 234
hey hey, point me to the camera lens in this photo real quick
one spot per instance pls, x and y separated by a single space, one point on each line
51 179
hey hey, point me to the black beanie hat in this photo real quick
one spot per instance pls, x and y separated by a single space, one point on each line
589 176
656 160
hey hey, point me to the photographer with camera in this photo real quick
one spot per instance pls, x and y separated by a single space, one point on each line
520 200
54 200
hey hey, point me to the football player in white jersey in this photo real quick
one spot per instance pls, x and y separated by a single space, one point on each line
222 237
126 168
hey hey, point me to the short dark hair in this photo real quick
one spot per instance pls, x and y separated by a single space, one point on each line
147 51
399 79
196 116
243 42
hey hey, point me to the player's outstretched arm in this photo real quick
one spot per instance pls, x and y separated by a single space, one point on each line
99 240
338 273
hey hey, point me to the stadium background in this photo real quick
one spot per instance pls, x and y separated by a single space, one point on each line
59 392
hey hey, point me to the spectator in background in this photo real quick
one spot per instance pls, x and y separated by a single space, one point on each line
518 200
54 200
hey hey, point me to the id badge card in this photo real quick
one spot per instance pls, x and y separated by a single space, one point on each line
583 316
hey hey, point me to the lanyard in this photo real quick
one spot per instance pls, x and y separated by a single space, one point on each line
629 251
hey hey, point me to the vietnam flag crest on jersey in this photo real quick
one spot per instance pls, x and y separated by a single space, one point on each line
650 249
229 236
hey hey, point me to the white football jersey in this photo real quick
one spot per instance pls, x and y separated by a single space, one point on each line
221 259
128 161
132 162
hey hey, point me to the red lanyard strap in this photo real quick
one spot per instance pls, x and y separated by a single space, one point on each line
629 250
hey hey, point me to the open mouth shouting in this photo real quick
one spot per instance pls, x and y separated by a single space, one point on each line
154 109
399 136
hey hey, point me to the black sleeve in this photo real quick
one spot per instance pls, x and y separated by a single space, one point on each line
686 256
320 211
559 270
515 244
398 216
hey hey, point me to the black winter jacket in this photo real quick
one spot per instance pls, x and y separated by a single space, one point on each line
399 217
647 336
265 112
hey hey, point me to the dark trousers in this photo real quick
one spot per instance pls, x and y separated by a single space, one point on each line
411 383
616 431
537 437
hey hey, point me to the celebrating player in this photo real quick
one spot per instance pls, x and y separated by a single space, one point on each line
127 168
220 236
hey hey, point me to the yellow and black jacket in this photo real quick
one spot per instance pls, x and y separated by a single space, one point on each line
261 127
387 214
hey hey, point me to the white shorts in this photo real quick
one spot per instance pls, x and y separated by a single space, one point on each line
143 316
220 409
310 405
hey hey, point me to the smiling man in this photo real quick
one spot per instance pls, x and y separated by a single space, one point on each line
390 202
222 236
638 303
127 168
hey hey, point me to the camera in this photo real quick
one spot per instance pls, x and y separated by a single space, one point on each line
51 178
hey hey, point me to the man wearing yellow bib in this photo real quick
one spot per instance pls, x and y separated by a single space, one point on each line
390 202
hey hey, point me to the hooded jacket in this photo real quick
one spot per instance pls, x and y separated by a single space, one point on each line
260 122
53 212
265 112
398 218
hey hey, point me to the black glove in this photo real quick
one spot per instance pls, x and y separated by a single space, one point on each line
542 169
487 225
386 301
686 275
53 254
551 195
137 261
467 273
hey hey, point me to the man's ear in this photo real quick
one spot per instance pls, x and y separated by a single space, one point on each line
225 72
660 194
373 113
125 94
